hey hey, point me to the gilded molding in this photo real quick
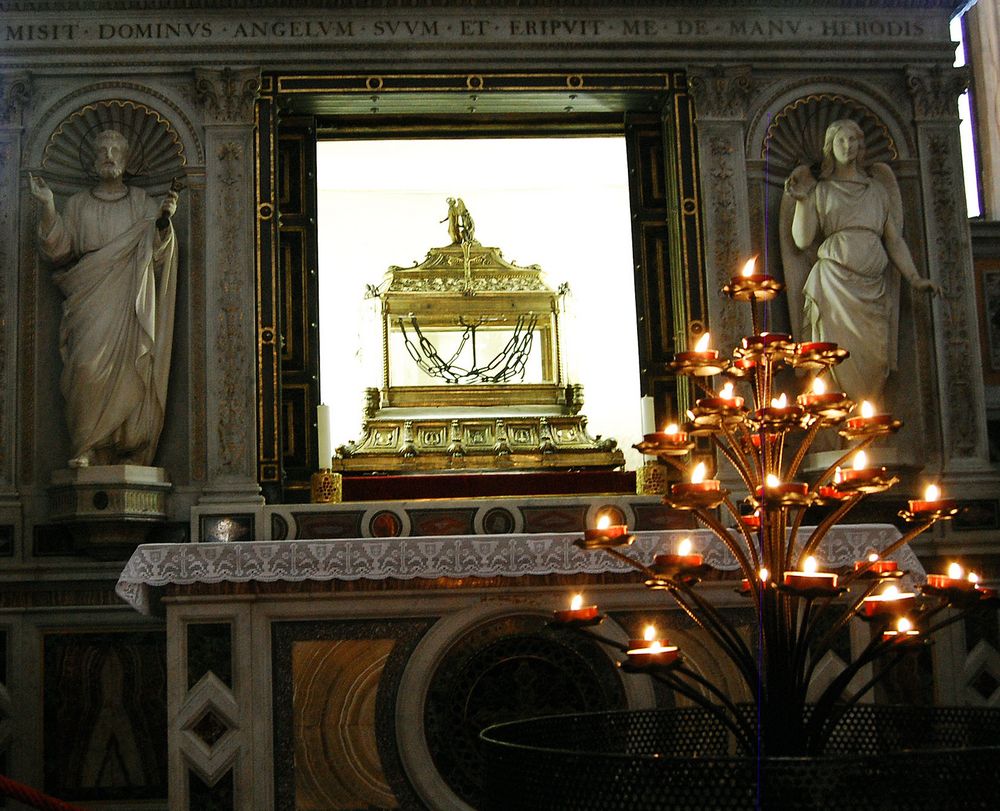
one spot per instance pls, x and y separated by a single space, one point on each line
230 344
935 91
227 96
720 92
15 98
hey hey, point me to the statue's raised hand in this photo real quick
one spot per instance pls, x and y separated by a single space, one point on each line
40 190
800 183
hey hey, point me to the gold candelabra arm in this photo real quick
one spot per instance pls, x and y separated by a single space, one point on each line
749 566
800 454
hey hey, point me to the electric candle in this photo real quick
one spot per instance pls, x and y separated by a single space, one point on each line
577 611
931 502
779 410
762 576
810 577
724 399
904 632
819 397
773 486
868 419
751 521
651 651
860 472
954 579
875 564
701 351
684 558
698 483
605 529
889 601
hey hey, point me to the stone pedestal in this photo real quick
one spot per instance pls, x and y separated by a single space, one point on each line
109 509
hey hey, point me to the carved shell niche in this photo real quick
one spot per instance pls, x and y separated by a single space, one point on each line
156 154
795 136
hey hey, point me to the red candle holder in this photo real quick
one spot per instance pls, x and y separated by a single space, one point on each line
584 614
652 654
810 581
943 582
878 566
879 605
661 443
756 287
875 425
818 355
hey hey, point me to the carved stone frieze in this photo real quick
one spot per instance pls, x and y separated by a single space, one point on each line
15 98
721 92
7 241
227 96
948 249
199 376
935 91
230 344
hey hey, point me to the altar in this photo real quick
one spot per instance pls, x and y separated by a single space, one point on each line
312 670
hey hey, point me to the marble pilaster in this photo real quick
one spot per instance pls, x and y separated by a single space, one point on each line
227 98
15 93
721 95
961 408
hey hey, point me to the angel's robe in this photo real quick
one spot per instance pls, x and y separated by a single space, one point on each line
850 298
118 276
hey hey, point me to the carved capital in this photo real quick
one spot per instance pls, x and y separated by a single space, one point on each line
721 92
227 96
15 97
935 91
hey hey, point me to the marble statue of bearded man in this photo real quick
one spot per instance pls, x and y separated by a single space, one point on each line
115 255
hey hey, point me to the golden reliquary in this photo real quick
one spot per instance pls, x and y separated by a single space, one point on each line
472 369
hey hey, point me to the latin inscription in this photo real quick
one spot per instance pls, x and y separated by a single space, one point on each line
747 29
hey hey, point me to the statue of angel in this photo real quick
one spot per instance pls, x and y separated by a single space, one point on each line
843 253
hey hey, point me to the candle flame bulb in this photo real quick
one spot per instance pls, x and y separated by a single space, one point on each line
726 391
932 493
703 342
671 429
973 578
603 521
838 477
763 574
890 592
904 625
650 633
577 602
698 474
748 268
684 547
771 480
690 414
819 387
860 460
867 409
955 571
779 402
809 565
873 557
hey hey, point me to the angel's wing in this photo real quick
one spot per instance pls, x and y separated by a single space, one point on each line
887 179
796 263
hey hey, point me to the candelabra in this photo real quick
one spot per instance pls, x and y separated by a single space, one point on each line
798 609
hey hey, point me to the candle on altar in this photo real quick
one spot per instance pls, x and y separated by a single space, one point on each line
701 352
751 521
698 483
954 579
810 577
868 418
860 472
605 529
324 443
931 502
647 411
889 601
724 399
577 611
819 396
650 651
684 558
875 564
773 486
904 631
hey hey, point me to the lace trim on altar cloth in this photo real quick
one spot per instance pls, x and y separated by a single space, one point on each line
156 565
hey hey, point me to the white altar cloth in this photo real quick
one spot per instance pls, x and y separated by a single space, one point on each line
155 565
